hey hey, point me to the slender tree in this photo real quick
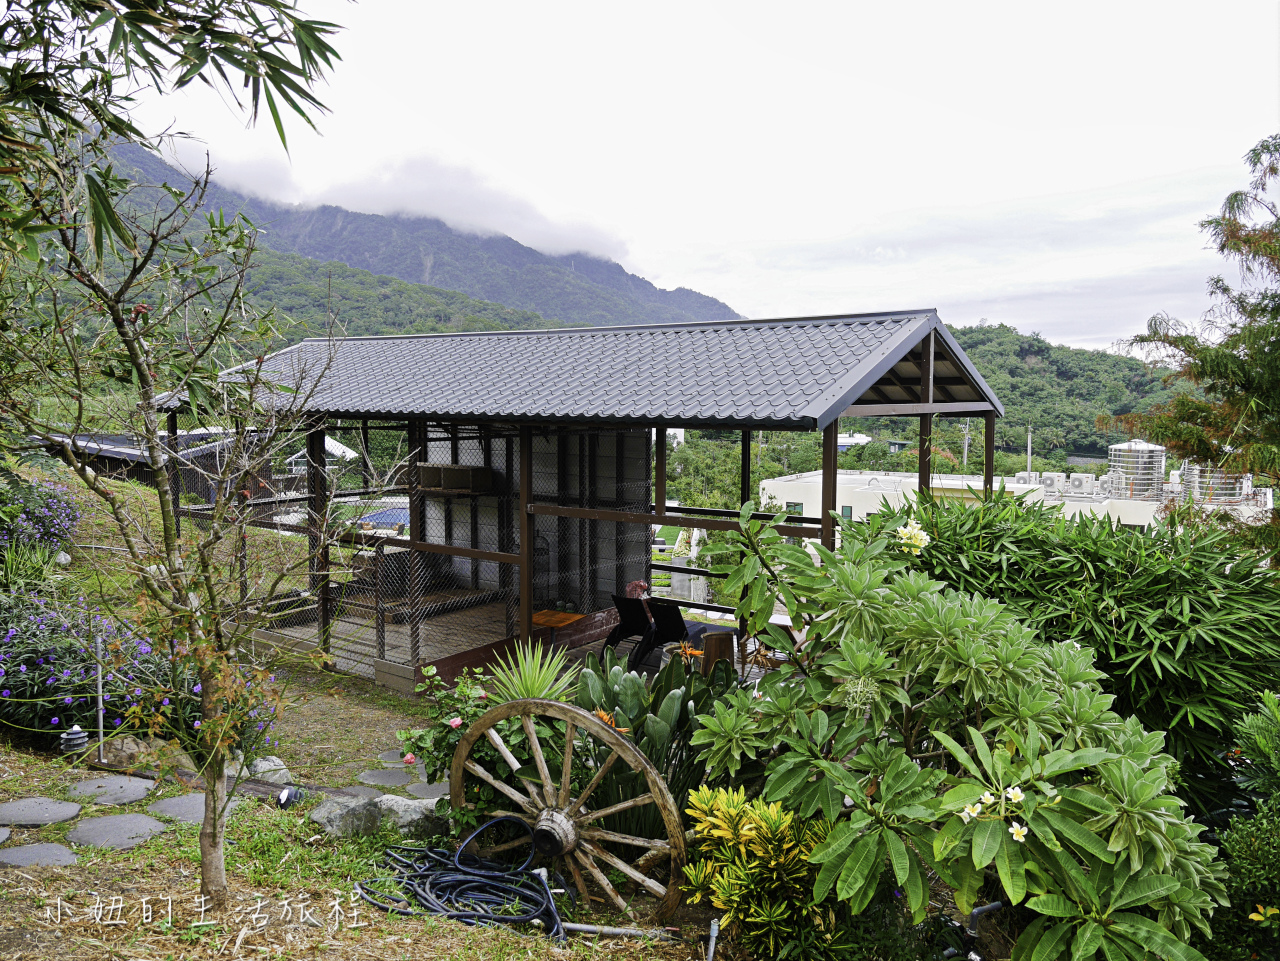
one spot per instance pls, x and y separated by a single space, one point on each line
115 303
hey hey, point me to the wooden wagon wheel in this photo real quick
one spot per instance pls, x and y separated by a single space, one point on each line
566 826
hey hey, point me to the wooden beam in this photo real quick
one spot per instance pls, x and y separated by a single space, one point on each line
317 539
989 451
925 465
526 534
172 472
830 438
966 408
417 586
660 471
744 471
671 520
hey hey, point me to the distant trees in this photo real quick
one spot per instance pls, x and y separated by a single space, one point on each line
1228 363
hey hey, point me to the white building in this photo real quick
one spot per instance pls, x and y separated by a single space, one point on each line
859 493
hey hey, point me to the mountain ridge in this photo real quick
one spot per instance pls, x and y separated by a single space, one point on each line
570 289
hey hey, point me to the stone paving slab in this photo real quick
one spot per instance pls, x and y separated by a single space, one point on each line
391 758
34 812
37 855
362 790
386 778
118 831
113 789
185 807
424 790
4 835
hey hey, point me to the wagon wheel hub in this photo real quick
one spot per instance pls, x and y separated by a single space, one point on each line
554 834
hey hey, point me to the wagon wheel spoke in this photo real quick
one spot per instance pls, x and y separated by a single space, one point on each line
535 748
496 740
627 805
504 846
566 768
600 834
524 802
595 781
650 885
579 881
585 860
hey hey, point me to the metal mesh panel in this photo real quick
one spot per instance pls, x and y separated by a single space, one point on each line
387 602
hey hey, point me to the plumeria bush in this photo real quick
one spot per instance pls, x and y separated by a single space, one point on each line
938 733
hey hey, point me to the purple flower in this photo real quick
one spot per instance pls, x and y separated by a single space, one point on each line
4 693
22 668
53 721
66 700
197 723
116 722
196 689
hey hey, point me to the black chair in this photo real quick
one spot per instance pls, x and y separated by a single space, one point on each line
668 628
633 621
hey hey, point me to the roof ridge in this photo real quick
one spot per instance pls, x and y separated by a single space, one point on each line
630 328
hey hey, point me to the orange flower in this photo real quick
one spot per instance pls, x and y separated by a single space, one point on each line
608 719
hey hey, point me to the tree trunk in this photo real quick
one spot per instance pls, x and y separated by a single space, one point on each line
213 867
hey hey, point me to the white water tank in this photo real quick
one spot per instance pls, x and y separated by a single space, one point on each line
1208 485
1137 470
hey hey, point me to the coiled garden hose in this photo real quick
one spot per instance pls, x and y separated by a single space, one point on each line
465 887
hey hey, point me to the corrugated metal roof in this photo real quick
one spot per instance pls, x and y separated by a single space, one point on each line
779 374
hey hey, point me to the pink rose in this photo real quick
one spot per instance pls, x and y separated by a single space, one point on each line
484 693
456 722
409 759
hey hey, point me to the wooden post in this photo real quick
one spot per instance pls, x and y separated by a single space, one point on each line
417 559
173 475
830 438
366 461
526 534
926 420
989 452
660 471
317 538
745 471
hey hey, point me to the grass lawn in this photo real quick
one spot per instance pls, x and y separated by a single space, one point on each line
273 856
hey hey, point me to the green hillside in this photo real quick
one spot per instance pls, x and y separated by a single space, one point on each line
363 305
1060 391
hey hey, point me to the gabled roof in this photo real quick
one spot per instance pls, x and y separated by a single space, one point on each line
790 374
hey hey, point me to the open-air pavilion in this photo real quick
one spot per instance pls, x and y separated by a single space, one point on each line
537 461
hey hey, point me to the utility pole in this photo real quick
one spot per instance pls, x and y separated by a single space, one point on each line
966 442
1028 448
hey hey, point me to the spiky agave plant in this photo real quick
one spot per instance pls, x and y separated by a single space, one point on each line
534 671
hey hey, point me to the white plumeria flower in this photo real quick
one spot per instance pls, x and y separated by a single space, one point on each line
1019 832
1014 794
988 798
970 811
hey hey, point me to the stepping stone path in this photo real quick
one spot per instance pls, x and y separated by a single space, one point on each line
37 855
186 807
391 759
361 790
386 778
428 790
118 831
113 789
4 835
34 812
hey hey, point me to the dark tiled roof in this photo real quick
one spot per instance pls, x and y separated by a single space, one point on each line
797 374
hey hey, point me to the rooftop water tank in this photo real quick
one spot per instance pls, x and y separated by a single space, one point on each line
1137 470
1208 485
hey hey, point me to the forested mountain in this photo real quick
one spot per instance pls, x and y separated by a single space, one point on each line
1060 391
573 289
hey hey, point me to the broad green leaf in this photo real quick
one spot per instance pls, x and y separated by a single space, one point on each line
1012 869
1054 905
1087 941
863 861
1053 942
1077 834
1144 890
898 855
986 841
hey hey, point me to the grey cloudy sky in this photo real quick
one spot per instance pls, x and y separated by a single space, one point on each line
1038 165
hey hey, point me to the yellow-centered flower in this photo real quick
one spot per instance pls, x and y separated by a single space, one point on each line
1019 832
